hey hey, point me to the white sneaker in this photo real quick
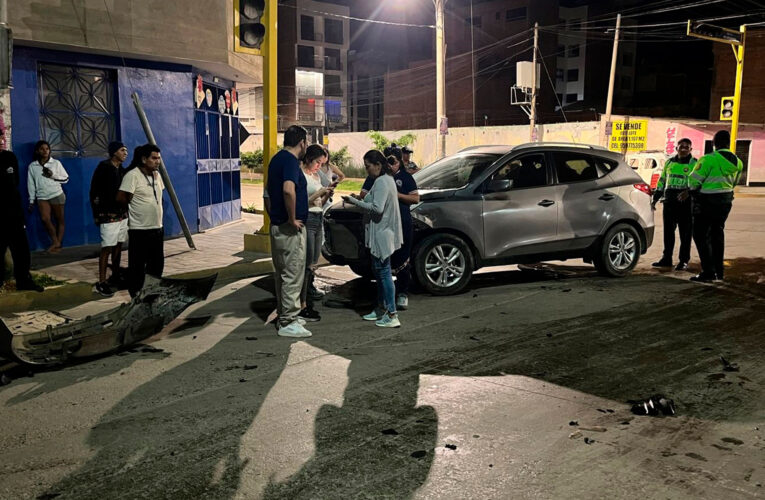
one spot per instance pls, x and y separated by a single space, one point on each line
402 302
388 321
294 330
375 315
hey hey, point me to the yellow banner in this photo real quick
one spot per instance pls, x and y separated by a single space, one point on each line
628 136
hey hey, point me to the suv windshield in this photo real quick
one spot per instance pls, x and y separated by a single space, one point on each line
454 172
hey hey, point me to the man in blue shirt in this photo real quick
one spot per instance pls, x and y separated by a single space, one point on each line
288 210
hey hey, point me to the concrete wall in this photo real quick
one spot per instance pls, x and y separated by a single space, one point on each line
166 94
168 30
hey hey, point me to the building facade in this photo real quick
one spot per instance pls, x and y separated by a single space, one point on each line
73 81
314 37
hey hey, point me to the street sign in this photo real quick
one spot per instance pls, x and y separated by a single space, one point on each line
715 33
727 105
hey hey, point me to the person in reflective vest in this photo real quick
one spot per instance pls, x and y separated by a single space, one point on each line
711 184
677 213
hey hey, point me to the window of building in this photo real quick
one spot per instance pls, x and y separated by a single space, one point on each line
574 24
307 109
475 21
332 86
305 56
333 31
332 60
518 14
333 109
626 83
571 98
572 75
573 50
309 83
77 109
560 99
561 50
559 74
306 28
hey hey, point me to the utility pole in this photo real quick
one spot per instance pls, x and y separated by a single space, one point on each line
533 111
738 53
440 76
610 102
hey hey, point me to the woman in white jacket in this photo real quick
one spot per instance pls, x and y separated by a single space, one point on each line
44 180
382 234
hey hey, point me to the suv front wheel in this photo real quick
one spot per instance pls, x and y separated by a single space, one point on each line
443 264
619 251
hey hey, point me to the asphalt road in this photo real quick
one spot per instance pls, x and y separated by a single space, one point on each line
472 398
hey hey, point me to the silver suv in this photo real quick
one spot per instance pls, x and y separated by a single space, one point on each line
497 205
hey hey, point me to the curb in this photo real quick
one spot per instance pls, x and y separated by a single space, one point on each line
73 294
63 296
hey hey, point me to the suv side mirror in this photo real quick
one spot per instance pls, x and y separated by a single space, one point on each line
499 185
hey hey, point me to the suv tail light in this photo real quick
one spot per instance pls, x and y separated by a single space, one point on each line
643 187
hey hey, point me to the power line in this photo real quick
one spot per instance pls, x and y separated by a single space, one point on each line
360 19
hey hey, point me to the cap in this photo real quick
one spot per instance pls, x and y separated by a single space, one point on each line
406 149
114 147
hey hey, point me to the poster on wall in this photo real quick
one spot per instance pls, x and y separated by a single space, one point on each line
199 92
628 136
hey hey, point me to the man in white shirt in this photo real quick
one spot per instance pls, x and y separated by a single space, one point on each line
141 190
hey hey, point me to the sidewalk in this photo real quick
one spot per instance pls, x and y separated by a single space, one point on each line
220 250
218 247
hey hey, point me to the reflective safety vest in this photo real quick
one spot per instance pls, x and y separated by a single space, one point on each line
675 174
714 173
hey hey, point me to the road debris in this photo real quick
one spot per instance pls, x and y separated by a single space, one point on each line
593 428
574 422
390 432
655 405
419 454
451 446
588 440
250 367
575 435
251 338
728 367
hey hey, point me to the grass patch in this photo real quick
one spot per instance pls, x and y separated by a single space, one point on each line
41 279
353 185
252 181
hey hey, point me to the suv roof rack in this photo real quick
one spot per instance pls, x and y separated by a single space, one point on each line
484 146
560 144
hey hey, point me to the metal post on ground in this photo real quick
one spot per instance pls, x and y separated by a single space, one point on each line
604 135
738 53
534 83
261 241
163 171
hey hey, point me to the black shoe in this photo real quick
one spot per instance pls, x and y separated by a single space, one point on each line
662 263
681 266
104 289
703 277
309 314
29 285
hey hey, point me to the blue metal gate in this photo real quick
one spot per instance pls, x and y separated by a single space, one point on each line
216 122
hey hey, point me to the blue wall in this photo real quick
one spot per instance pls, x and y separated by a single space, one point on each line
165 92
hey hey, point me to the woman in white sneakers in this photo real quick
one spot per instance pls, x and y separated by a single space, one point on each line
382 234
44 180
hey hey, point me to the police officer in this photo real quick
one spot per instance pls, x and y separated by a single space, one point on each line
406 154
677 213
711 184
13 232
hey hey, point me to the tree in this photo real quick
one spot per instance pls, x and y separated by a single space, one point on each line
382 142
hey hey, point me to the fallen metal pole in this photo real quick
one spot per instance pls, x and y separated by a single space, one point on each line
163 171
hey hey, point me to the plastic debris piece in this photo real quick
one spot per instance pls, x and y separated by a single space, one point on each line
655 405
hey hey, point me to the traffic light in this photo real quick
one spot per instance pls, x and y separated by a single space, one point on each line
726 108
249 29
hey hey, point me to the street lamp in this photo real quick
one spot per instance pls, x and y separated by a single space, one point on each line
441 123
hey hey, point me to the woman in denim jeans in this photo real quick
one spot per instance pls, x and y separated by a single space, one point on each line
382 234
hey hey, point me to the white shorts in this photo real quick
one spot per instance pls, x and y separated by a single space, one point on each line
113 233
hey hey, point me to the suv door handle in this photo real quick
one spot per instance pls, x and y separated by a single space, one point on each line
607 197
546 203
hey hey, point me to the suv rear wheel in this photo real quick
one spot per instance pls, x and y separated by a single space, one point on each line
443 264
619 251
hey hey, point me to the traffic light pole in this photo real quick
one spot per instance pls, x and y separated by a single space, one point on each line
738 53
270 109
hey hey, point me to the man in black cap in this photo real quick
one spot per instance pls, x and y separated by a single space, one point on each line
110 216
13 232
406 153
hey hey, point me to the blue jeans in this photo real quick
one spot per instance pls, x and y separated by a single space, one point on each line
386 292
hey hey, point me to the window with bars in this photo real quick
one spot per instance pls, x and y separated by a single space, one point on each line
77 109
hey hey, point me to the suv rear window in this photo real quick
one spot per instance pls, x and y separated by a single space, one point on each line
454 172
575 167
